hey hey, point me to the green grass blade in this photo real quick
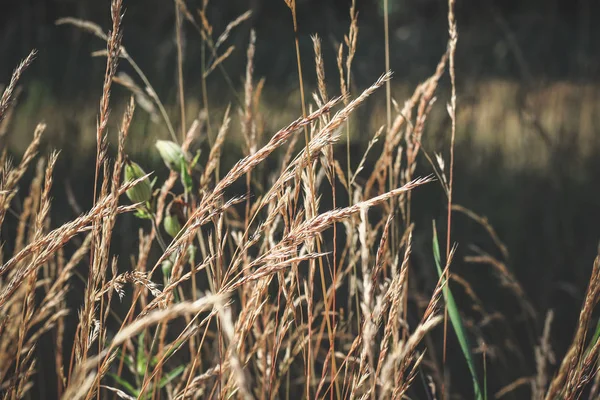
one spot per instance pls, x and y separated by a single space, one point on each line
140 359
125 385
594 338
171 375
456 320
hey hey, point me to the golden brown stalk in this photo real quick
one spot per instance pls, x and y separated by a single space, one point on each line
249 133
361 164
215 151
40 221
102 252
320 68
394 296
351 41
7 95
308 229
218 61
25 229
248 126
405 354
13 175
164 315
568 375
370 325
233 352
179 36
230 26
8 115
543 356
326 136
14 311
584 374
309 360
388 89
206 208
97 31
113 50
453 32
55 239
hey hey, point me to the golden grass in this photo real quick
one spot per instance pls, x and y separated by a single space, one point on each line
229 304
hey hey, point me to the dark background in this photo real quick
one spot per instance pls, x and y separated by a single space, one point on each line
537 184
557 38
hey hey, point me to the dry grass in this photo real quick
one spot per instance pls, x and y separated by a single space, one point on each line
264 293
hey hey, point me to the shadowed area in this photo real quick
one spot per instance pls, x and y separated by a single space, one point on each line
526 164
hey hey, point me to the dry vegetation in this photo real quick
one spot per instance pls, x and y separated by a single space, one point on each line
263 294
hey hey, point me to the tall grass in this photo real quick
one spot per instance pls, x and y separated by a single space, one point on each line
222 299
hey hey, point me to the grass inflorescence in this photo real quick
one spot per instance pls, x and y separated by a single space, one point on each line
301 284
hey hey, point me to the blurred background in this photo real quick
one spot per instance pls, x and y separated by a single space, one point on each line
528 133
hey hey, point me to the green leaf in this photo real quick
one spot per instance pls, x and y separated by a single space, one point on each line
186 179
192 254
455 319
195 160
170 376
166 267
126 385
141 359
143 213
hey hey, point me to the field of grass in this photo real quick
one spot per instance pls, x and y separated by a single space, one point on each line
233 249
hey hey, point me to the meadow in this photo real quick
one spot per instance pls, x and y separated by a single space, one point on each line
429 241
